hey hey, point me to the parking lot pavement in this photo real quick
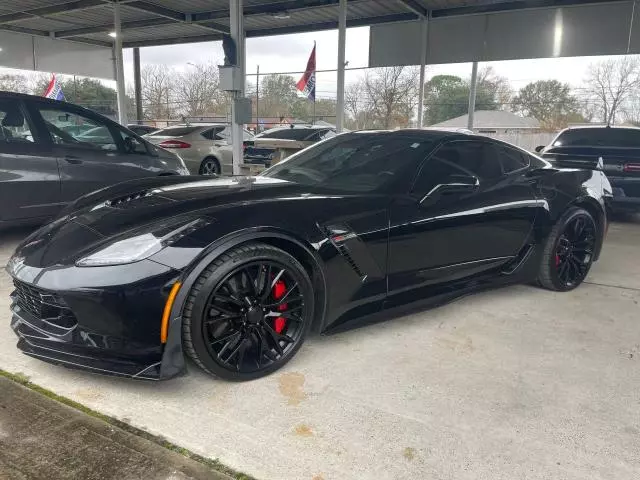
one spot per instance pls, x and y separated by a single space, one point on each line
514 383
41 438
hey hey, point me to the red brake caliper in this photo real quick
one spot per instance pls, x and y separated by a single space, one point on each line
557 260
279 289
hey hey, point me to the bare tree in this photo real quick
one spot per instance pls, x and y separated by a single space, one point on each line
494 86
158 91
610 83
392 95
14 83
355 105
198 91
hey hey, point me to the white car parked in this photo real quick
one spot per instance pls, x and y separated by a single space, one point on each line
205 148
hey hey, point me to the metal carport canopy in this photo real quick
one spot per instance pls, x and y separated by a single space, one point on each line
163 22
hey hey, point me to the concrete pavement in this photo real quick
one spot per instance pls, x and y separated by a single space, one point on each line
513 383
41 439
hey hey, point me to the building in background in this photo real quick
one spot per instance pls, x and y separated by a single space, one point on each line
525 132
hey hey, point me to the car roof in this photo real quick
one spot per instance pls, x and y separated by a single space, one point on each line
601 127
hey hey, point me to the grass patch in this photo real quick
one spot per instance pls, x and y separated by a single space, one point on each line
215 465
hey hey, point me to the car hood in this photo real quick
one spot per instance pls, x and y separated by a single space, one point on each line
118 213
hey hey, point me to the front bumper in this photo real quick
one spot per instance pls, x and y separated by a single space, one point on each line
104 327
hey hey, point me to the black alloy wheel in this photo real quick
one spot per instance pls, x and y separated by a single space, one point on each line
248 313
569 251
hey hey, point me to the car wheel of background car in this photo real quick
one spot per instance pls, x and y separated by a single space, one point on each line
210 166
248 313
569 251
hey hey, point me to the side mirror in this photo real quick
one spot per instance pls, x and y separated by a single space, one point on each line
459 184
539 148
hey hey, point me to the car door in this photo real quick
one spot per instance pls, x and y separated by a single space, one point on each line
95 158
29 177
463 215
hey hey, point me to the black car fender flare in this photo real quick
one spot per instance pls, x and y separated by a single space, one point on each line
173 359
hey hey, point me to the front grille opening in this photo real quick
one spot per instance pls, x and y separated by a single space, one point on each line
44 305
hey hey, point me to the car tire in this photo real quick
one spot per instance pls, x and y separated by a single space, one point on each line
210 166
569 251
231 326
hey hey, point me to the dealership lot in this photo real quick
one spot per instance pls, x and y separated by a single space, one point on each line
514 383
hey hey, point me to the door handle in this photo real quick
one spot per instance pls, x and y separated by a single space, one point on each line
73 159
217 145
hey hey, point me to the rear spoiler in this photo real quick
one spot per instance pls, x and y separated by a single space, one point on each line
571 161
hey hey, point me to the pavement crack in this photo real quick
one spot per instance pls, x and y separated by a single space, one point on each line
634 289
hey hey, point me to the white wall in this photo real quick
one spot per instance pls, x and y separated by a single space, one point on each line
522 138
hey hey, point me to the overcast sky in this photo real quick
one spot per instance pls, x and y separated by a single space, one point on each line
289 53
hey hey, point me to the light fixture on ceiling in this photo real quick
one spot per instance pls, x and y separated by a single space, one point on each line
112 34
283 15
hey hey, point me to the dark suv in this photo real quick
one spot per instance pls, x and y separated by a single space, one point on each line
619 149
53 152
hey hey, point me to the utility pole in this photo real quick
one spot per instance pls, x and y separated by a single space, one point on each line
472 95
258 99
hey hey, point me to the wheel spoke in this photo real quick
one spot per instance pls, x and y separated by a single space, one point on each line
227 299
282 300
227 339
251 282
267 290
276 278
236 349
223 318
241 353
224 311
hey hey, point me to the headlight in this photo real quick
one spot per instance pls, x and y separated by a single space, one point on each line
138 247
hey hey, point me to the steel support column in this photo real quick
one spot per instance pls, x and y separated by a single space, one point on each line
119 64
472 95
342 38
424 34
236 23
137 82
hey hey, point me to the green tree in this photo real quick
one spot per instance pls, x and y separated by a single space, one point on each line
549 101
87 92
447 96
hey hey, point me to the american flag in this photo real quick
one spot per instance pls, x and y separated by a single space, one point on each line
307 84
54 90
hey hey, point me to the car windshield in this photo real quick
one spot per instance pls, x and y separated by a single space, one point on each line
607 137
357 162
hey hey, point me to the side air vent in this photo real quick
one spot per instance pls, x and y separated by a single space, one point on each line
345 253
121 202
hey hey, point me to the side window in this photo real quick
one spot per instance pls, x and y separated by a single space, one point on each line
476 158
511 159
132 144
71 129
208 134
14 127
223 134
437 170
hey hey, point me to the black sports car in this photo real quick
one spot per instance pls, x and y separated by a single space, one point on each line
235 272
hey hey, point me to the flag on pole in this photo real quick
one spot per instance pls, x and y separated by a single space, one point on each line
54 90
307 84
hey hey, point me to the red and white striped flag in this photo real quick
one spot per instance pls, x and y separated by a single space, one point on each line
307 84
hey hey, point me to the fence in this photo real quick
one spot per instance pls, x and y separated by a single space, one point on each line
522 138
